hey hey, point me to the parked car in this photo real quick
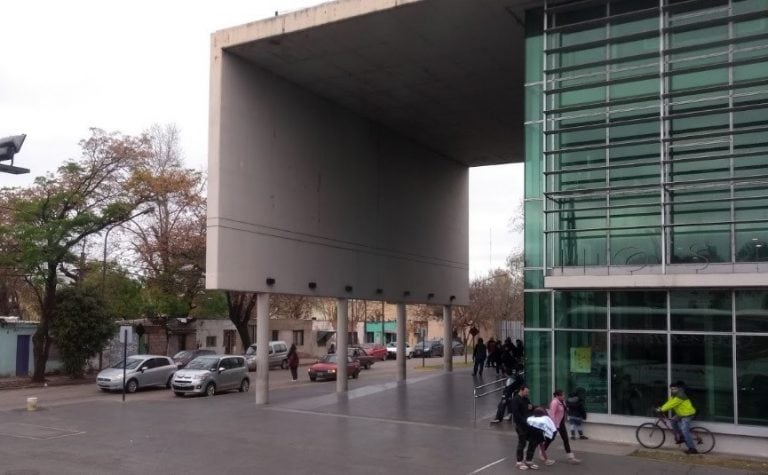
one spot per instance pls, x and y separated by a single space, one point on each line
392 350
359 354
185 356
210 374
376 350
140 371
428 349
326 367
458 348
278 355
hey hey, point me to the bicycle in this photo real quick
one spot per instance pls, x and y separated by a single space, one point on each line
652 435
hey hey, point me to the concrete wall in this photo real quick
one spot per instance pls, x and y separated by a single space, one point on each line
302 190
8 339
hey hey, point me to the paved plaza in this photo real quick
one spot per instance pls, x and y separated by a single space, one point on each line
424 426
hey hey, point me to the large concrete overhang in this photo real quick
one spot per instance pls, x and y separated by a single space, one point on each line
445 73
340 142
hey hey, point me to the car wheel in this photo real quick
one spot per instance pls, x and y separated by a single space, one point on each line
178 393
312 377
367 366
355 374
210 390
244 386
132 386
284 364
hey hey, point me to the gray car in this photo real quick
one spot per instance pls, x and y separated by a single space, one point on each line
141 371
210 374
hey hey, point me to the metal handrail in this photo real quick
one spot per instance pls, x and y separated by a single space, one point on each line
499 382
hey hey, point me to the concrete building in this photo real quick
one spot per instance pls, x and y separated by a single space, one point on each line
341 136
16 355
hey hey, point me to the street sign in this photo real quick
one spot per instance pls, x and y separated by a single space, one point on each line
126 334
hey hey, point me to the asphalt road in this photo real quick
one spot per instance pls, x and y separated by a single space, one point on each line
423 426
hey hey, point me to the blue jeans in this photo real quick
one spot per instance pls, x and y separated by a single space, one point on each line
682 425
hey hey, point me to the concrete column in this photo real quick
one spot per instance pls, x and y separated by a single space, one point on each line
401 341
342 319
447 339
262 348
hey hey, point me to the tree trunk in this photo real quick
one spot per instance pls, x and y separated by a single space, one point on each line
242 330
41 341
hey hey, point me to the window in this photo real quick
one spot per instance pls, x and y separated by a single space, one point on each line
298 337
752 379
210 341
581 363
275 335
638 373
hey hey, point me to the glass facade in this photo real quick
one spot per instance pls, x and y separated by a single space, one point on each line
647 155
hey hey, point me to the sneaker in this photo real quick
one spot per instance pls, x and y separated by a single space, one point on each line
532 465
573 460
691 451
522 466
510 417
549 462
495 421
583 437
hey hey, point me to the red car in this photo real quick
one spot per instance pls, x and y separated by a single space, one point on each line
325 368
376 350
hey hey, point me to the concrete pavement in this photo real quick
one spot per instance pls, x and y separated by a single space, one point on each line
422 426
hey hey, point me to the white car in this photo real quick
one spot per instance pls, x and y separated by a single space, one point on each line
392 351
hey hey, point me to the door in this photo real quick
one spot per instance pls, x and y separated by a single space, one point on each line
229 342
22 355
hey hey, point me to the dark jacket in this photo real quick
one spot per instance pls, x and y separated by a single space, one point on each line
575 407
519 409
508 361
479 353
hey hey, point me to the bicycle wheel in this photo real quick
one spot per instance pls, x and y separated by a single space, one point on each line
703 439
650 435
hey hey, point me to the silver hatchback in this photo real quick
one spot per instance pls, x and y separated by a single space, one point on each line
140 371
210 374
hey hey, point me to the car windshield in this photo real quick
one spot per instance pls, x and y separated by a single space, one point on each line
133 363
182 355
204 362
251 350
328 359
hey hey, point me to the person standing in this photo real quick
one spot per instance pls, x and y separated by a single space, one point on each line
577 412
491 348
293 362
479 356
684 411
521 409
557 412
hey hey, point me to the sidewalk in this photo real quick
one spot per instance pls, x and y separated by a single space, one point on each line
21 382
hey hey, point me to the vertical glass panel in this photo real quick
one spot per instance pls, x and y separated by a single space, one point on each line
700 310
638 373
636 247
533 279
582 309
705 364
534 234
538 365
752 311
534 45
581 363
639 310
752 379
533 102
533 160
536 309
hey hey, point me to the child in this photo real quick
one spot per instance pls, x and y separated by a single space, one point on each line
577 413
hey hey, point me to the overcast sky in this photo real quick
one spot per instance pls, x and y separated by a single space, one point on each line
70 65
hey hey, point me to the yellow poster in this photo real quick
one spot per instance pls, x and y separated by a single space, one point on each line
581 359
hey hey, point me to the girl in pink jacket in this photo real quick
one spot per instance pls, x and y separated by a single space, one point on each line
557 412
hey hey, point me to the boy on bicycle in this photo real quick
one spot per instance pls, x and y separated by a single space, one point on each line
684 411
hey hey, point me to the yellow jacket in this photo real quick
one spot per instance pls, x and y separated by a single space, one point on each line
682 407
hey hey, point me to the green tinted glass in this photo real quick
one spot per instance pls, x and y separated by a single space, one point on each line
537 309
638 373
639 310
752 379
581 309
581 365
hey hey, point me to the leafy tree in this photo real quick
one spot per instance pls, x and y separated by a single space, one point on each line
81 327
170 243
53 216
121 291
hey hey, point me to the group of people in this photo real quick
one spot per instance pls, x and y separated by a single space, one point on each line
537 427
503 358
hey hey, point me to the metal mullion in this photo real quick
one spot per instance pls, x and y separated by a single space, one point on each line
604 63
734 355
731 108
669 332
597 114
594 64
597 43
714 22
663 130
708 67
617 102
569 6
683 225
714 181
605 228
718 200
607 110
731 163
713 44
717 157
546 182
597 208
729 53
599 167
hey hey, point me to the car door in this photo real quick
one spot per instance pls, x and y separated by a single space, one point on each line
165 367
144 375
228 376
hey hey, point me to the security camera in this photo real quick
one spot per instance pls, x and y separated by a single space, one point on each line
9 146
